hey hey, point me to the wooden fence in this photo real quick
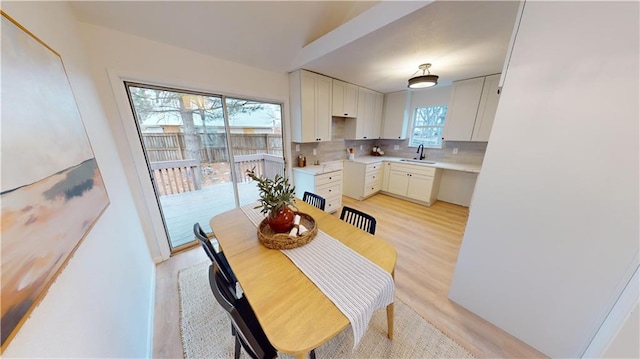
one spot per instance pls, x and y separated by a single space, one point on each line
174 177
212 146
263 165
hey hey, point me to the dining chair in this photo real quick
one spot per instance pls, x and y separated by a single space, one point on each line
359 219
245 326
314 200
216 257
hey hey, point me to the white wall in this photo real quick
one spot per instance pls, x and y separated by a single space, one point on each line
116 56
553 234
101 305
430 97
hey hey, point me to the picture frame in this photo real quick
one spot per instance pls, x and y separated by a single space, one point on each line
51 189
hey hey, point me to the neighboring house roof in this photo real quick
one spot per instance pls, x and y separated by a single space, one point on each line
268 117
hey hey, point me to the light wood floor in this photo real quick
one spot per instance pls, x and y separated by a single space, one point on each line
427 241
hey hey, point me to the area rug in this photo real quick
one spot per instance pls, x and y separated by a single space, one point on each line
206 330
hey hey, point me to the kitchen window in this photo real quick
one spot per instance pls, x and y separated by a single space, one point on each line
427 126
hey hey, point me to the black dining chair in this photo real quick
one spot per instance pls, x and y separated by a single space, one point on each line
216 257
244 325
359 219
314 200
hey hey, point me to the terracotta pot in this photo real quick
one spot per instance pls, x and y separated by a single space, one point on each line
281 221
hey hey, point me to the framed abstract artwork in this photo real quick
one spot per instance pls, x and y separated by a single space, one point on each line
52 191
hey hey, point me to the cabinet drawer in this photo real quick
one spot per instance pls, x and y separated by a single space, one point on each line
332 204
329 189
371 189
331 177
371 179
373 167
417 169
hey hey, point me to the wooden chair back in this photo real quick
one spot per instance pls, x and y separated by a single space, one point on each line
215 257
359 219
314 200
246 328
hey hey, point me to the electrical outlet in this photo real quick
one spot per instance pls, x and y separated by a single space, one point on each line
396 147
297 148
360 147
455 151
315 151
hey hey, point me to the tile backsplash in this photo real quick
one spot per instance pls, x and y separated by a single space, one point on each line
468 152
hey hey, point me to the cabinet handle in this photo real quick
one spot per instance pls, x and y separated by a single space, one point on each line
364 137
374 176
346 114
329 190
329 177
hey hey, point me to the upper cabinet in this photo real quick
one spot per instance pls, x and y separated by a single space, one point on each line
310 106
345 99
367 123
472 107
486 109
396 116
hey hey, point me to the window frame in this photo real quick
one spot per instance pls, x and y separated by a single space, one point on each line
412 126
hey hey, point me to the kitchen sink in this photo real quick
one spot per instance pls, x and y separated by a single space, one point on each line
417 161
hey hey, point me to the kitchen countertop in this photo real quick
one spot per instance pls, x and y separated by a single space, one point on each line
326 167
444 165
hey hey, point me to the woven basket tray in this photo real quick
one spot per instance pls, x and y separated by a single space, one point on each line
273 240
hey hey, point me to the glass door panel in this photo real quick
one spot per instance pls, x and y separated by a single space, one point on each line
256 142
198 148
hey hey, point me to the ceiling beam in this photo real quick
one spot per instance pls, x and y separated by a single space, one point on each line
374 18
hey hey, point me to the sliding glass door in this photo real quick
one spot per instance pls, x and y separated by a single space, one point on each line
198 147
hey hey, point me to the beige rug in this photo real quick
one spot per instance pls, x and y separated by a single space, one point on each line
206 330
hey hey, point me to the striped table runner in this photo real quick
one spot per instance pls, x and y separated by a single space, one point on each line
357 286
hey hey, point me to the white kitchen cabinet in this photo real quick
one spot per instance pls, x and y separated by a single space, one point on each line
345 99
362 180
327 185
486 109
472 107
310 106
366 125
417 183
385 176
395 117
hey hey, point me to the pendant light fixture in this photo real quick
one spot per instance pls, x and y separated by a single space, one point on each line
423 81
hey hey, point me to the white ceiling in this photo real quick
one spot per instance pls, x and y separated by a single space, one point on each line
378 45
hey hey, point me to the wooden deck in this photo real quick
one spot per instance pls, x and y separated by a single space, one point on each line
182 210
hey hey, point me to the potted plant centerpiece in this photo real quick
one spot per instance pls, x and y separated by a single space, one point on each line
276 198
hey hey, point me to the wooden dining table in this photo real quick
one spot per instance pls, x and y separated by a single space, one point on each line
294 314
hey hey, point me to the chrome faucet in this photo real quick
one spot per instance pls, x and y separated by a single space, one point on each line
420 150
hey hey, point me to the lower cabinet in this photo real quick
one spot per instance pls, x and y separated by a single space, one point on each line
362 180
414 182
328 185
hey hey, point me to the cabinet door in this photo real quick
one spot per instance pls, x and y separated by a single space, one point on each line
344 99
398 182
395 115
463 107
377 116
419 187
487 109
365 121
323 108
337 103
385 176
351 100
308 107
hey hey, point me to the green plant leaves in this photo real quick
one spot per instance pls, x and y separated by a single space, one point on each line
275 194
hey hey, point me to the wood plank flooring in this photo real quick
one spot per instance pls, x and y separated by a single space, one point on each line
427 241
